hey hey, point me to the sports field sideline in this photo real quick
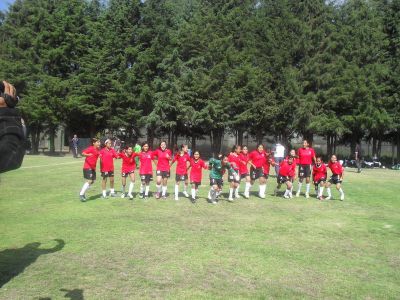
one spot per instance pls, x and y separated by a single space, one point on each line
52 246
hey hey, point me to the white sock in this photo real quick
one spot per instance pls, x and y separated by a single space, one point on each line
196 192
291 189
299 187
130 188
263 188
85 187
141 188
321 191
176 190
209 194
237 192
193 193
307 188
287 192
158 186
213 194
230 193
164 190
341 191
146 193
123 188
104 193
247 187
218 192
329 192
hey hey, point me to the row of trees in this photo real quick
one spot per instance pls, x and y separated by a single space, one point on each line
200 68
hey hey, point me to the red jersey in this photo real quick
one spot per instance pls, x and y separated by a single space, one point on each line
128 162
196 172
286 169
91 161
107 159
181 166
163 158
267 165
258 159
319 172
336 168
306 156
146 159
234 159
244 159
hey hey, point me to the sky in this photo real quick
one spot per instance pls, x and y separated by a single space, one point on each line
5 3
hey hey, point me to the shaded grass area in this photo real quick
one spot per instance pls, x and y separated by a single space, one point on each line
273 248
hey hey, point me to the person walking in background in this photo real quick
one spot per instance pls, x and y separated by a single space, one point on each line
75 146
137 149
357 157
279 155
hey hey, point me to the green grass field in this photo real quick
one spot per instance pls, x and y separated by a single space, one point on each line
118 249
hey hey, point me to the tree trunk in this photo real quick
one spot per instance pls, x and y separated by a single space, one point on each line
150 137
334 143
52 137
259 137
374 147
35 137
328 145
239 140
398 146
379 148
193 144
216 140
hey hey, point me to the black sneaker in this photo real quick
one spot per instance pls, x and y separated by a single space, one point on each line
193 200
83 198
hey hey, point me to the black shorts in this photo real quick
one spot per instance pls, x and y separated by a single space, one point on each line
257 173
163 174
197 184
89 174
319 180
231 178
335 179
146 177
219 182
107 174
282 179
181 177
243 176
304 171
127 173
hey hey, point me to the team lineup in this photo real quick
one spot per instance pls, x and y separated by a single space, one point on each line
239 164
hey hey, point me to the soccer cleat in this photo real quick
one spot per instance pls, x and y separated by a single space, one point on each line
286 196
246 195
341 197
158 195
186 194
237 196
230 199
262 196
328 198
321 198
83 198
193 200
213 202
298 194
146 197
123 195
290 195
307 195
164 197
130 196
176 198
141 195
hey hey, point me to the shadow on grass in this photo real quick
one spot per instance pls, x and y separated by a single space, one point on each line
14 261
76 294
94 197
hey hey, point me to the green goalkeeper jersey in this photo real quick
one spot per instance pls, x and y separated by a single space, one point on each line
217 170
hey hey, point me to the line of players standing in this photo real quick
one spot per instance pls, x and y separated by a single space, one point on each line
236 164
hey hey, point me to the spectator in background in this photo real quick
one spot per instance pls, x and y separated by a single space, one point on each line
357 157
75 145
137 149
117 145
279 155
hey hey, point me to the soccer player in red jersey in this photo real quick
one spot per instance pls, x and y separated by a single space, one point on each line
145 170
127 169
319 177
336 178
267 165
183 163
197 165
163 156
234 160
287 170
257 160
306 156
91 155
107 155
244 171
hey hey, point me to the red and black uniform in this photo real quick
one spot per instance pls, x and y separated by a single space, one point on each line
319 174
181 166
89 167
337 172
244 160
146 166
267 165
306 159
258 159
163 158
196 171
107 162
128 164
234 160
286 171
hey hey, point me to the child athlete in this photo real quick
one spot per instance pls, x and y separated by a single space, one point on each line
196 167
183 163
319 177
107 155
91 155
336 178
127 170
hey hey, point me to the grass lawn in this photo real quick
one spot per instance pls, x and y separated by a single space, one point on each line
52 246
